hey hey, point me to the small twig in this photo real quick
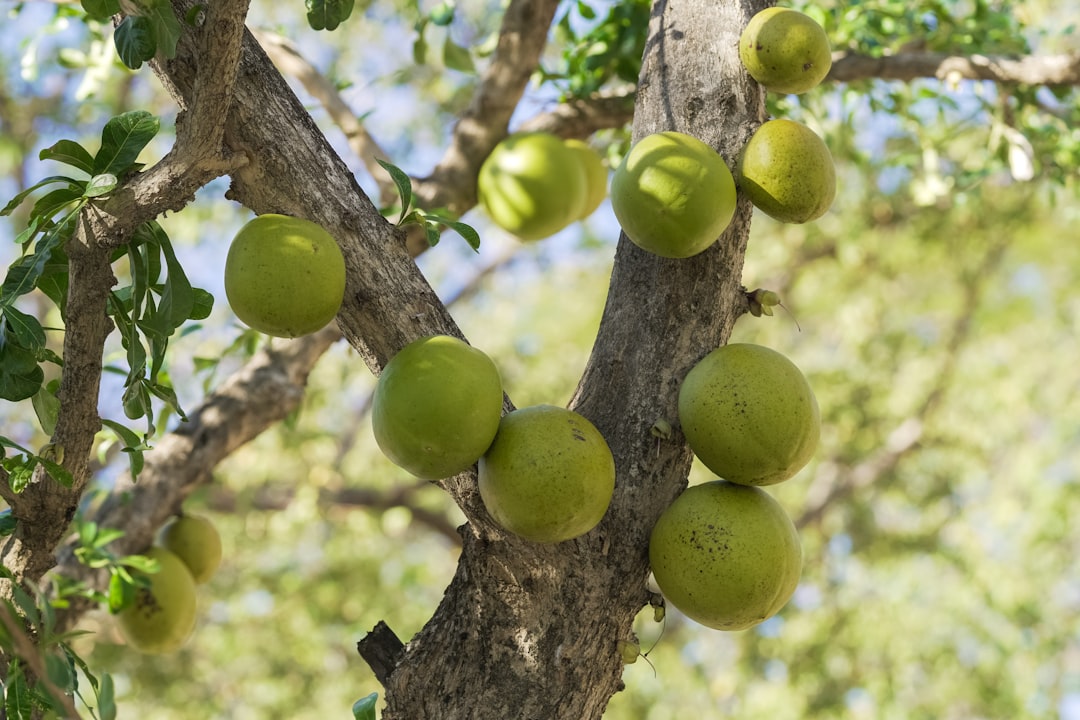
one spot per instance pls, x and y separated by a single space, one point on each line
26 650
382 651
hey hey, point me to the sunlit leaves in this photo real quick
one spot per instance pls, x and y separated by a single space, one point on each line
328 14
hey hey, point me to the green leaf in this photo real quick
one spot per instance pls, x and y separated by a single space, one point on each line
101 10
121 593
403 184
101 185
26 328
166 27
457 57
18 199
58 670
364 708
70 153
47 407
20 375
202 304
20 471
465 231
106 697
17 702
328 14
57 472
135 41
133 445
122 139
177 298
56 200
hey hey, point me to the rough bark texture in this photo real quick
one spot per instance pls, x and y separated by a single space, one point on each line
528 631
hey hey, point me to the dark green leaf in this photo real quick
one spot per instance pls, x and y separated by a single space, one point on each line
22 277
101 10
433 233
26 328
178 298
167 394
59 671
456 57
100 185
166 27
57 471
403 184
467 232
328 14
202 305
364 708
18 199
135 41
56 200
122 139
70 153
20 375
7 522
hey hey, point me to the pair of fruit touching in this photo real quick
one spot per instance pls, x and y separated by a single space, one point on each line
674 195
545 473
161 616
724 552
284 276
534 184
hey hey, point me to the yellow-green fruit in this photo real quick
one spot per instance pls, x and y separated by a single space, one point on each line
437 406
673 195
196 541
548 476
284 276
787 172
749 414
532 185
596 176
785 50
726 555
163 615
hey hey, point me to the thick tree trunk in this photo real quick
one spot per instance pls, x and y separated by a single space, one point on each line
530 631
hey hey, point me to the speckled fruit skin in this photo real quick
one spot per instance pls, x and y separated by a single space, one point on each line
787 171
284 276
196 541
673 195
548 476
726 555
163 615
785 50
749 414
436 406
532 185
596 176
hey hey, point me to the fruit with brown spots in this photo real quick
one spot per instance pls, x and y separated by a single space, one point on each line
162 616
785 50
787 172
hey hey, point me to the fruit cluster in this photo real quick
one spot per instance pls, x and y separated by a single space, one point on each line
545 472
161 615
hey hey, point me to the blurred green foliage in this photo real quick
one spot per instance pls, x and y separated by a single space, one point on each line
933 309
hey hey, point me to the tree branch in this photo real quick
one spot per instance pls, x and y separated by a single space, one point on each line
1028 70
522 37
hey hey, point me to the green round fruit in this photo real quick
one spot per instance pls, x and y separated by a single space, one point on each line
673 195
437 406
284 276
787 172
548 476
726 555
196 541
596 176
749 414
162 616
785 50
532 185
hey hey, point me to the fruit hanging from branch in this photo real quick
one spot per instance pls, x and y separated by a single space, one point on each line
162 615
785 50
787 171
